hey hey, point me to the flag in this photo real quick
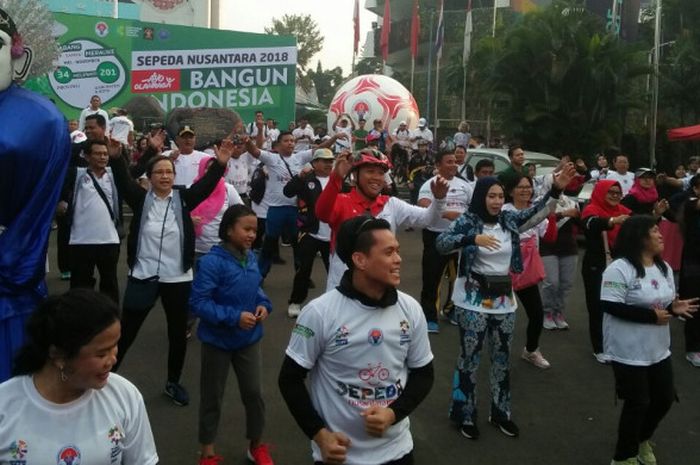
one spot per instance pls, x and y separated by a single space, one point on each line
415 30
386 30
468 28
440 33
356 22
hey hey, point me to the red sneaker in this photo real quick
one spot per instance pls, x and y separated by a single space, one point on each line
260 455
211 460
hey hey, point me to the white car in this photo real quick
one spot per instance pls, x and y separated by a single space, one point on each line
545 163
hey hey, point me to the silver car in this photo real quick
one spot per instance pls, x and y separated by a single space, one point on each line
545 163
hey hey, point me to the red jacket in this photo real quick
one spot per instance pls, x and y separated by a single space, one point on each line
334 207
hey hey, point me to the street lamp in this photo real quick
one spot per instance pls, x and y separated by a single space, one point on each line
655 86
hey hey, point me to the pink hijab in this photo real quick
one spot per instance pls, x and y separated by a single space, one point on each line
212 205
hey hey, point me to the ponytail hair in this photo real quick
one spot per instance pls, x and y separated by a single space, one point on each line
67 323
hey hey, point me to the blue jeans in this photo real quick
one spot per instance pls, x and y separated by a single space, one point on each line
279 219
474 328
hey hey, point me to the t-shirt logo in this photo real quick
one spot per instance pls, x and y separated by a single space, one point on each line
18 450
405 332
341 336
69 455
375 337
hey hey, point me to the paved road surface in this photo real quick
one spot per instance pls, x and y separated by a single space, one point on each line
567 415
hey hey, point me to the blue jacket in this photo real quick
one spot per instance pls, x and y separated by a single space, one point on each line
461 234
222 289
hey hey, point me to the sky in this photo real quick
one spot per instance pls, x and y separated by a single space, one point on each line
334 18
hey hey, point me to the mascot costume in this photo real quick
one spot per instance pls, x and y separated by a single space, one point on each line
34 154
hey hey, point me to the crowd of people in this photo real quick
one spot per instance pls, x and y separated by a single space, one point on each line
205 233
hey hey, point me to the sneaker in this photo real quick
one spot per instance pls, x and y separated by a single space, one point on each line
177 393
549 322
285 244
211 460
433 327
560 321
507 427
469 431
630 461
260 455
693 358
65 276
646 453
294 310
601 358
535 358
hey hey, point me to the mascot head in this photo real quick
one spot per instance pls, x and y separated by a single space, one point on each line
15 58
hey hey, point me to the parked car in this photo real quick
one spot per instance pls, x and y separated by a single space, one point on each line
545 163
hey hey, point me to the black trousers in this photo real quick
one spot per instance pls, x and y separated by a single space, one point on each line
175 298
84 260
648 393
532 301
433 265
592 279
62 247
307 248
405 460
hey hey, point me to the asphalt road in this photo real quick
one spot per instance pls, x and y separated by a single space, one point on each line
567 415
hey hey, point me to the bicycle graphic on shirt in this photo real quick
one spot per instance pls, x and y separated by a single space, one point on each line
374 374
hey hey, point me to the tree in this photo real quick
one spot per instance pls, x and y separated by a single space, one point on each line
369 65
305 29
326 82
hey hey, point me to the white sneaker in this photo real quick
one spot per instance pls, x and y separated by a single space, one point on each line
560 322
693 358
548 322
601 358
536 359
294 310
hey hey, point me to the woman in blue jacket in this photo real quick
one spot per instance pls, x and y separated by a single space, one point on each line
227 297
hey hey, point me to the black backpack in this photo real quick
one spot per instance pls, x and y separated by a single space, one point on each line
258 181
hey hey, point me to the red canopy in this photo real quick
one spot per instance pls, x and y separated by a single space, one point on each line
686 133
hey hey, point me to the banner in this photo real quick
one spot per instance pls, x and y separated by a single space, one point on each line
173 66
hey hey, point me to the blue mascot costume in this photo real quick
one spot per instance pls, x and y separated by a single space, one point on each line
34 154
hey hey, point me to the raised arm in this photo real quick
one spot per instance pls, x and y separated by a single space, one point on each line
129 190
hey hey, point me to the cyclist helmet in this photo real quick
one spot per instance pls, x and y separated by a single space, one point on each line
370 157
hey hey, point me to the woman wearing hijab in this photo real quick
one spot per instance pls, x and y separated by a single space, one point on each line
488 240
643 198
601 220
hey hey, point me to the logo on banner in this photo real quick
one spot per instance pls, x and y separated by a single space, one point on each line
165 80
101 29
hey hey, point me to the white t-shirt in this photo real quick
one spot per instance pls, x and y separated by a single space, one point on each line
279 175
89 111
103 427
77 136
342 144
359 357
303 144
272 135
626 180
91 221
324 230
536 231
629 342
403 138
487 262
424 134
458 198
239 172
210 232
187 166
119 129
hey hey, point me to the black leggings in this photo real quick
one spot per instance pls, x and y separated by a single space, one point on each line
531 300
648 393
592 279
175 298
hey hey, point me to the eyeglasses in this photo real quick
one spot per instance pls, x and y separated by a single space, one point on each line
615 193
163 173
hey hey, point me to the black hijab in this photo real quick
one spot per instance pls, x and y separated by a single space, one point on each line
478 203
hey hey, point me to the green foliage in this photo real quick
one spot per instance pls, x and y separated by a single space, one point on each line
326 82
305 29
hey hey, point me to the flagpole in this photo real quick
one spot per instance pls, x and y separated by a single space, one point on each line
488 116
430 62
437 91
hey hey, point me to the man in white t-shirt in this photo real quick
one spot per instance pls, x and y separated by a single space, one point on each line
303 136
345 125
433 263
625 178
272 134
366 348
185 158
282 211
121 128
240 169
94 108
90 201
402 136
422 132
